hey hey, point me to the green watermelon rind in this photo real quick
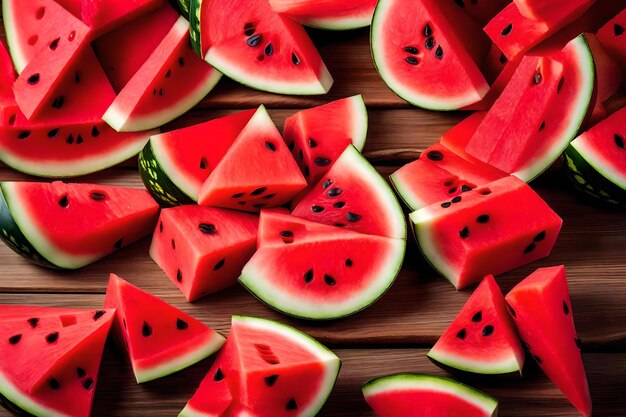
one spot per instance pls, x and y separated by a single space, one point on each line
195 34
408 381
479 367
14 399
183 7
17 55
161 186
336 24
406 195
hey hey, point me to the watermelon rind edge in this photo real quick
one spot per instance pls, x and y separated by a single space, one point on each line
360 123
11 397
338 24
19 60
485 367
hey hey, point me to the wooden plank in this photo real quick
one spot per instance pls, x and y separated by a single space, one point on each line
118 395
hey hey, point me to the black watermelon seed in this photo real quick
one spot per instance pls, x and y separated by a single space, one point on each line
308 276
619 141
329 280
526 345
54 384
439 52
307 171
286 233
538 359
207 228
543 126
77 77
241 203
301 155
618 30
460 3
430 43
259 191
154 92
203 163
64 201
327 184
466 188
530 248
322 162
95 132
79 139
339 225
464 233
97 314
271 380
270 146
541 236
312 143
81 372
512 311
317 209
219 264
238 195
160 91
503 59
295 59
54 44
507 30
483 218
33 321
565 308
461 334
146 330
457 199
537 78
14 340
161 226
254 40
52 337
24 134
53 133
269 196
258 205
181 324
88 383
181 61
291 145
446 204
58 102
578 343
96 196
476 318
339 204
173 242
349 262
560 87
119 244
33 79
488 330
411 60
219 375
179 275
435 156
353 217
292 404
486 191
428 31
247 27
411 50
269 49
334 192
168 74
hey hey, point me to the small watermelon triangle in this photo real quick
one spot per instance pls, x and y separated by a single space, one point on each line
159 338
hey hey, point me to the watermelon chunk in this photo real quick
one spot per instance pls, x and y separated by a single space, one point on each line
349 272
318 136
432 41
479 233
105 15
174 165
482 339
266 369
90 221
159 338
203 249
170 82
552 10
71 341
257 170
328 14
354 196
419 395
612 35
543 314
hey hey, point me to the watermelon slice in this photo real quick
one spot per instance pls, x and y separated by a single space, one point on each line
203 249
612 36
354 196
349 272
159 338
433 41
542 310
552 10
250 43
440 174
90 221
479 233
596 160
328 14
266 369
71 341
318 136
170 82
105 15
257 170
419 395
482 339
174 165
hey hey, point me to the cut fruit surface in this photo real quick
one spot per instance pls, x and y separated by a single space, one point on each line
90 221
542 10
104 15
349 272
478 233
611 36
543 314
203 249
419 395
432 41
354 196
328 14
159 338
482 339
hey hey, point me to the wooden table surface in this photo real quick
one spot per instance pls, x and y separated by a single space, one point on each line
394 334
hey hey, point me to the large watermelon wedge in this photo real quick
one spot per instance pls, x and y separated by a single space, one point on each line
349 272
328 14
266 369
419 395
159 338
50 360
90 221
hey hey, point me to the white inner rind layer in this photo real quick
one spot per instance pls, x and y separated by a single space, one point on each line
407 195
24 401
360 122
17 54
341 23
407 383
599 163
485 367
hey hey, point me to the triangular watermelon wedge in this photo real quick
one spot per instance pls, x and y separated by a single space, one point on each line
482 339
257 171
159 338
71 341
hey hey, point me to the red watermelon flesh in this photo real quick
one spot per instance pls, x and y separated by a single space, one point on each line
440 174
612 36
457 137
203 249
257 171
479 233
123 51
327 14
482 338
105 15
609 75
72 342
482 10
8 107
542 310
266 369
169 83
354 196
501 81
159 338
90 221
552 10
